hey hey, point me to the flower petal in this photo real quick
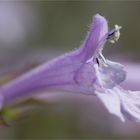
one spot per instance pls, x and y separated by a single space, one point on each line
111 74
111 101
130 104
95 38
122 103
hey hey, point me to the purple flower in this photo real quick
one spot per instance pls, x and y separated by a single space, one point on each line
83 71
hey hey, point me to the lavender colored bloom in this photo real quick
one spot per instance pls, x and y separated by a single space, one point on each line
83 71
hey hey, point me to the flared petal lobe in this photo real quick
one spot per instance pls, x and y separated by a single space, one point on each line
112 102
95 38
124 104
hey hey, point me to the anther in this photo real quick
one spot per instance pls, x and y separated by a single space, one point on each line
114 34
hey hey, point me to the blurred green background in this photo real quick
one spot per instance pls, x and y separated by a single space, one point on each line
32 32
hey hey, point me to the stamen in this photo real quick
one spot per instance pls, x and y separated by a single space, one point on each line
112 37
102 57
114 34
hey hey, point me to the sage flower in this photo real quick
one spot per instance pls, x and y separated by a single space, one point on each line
84 71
